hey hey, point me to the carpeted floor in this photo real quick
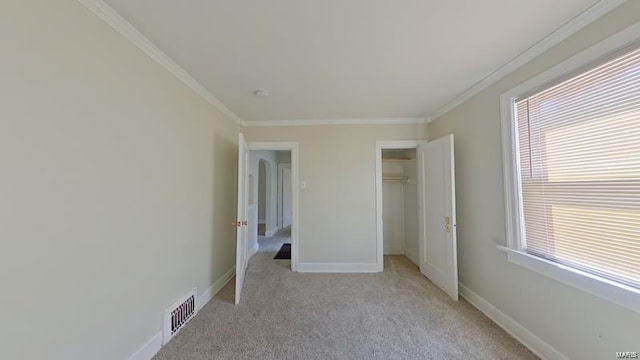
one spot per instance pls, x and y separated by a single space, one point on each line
397 314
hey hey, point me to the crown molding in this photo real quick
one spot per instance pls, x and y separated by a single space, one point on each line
310 122
571 27
116 21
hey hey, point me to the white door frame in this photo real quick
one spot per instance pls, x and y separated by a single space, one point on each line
295 229
380 145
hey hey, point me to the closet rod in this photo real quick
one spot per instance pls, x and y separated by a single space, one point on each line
395 179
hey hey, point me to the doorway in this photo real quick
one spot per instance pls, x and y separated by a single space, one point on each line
415 207
272 209
264 195
400 203
398 186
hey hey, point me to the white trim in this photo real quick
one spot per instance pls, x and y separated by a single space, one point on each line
617 41
612 291
574 25
511 177
208 294
372 121
538 346
379 145
153 345
603 288
166 320
149 349
337 268
394 250
253 250
116 21
269 233
295 189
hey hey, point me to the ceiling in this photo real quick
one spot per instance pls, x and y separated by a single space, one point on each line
338 59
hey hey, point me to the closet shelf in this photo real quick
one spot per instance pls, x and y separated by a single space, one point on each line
396 159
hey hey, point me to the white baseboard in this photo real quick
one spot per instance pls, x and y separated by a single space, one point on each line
153 345
270 233
208 294
522 334
413 257
337 268
393 251
149 349
253 251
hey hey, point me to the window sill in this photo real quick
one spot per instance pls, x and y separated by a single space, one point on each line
619 294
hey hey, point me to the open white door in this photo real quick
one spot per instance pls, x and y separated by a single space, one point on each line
438 244
241 222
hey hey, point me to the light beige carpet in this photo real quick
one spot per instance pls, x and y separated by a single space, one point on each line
397 314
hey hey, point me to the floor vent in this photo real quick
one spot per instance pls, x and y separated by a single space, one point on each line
177 315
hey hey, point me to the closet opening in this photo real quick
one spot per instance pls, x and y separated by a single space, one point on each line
399 188
415 208
400 203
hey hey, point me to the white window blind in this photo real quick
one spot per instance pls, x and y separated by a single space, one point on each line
579 167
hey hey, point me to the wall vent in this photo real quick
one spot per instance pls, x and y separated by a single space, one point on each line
178 314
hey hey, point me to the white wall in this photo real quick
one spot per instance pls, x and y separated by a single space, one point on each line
393 218
117 187
577 324
337 209
262 191
285 197
271 214
410 211
284 159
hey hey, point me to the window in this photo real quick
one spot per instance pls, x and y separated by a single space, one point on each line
572 169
